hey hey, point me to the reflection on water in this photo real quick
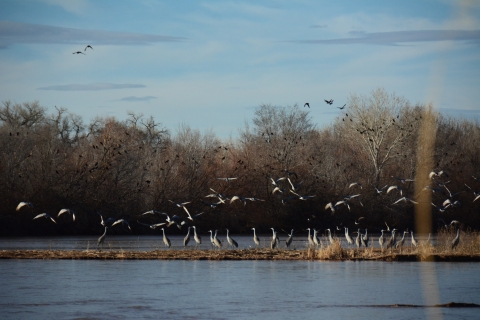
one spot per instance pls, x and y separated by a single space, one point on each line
146 243
95 289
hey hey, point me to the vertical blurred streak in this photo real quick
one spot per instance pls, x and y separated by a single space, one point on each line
423 210
426 145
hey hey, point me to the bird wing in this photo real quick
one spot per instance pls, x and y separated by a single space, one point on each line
391 188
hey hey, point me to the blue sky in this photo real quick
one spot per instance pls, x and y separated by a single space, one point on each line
208 64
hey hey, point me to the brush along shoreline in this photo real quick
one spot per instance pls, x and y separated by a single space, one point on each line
239 254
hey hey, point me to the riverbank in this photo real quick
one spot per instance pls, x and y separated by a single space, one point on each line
239 254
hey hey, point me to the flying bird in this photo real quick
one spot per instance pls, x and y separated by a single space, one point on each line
69 211
306 105
78 52
341 108
44 215
89 46
330 102
24 204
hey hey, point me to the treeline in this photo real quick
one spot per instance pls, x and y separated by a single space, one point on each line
124 168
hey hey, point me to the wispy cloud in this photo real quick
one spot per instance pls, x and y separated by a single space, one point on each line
397 37
16 32
137 99
92 87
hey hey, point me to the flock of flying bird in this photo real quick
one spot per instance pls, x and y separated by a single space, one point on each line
280 186
82 52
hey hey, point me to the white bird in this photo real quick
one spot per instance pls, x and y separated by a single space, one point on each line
395 188
358 243
274 242
476 194
353 184
234 198
166 240
227 179
152 226
44 215
69 211
381 240
405 199
344 202
217 242
330 238
275 182
392 242
152 212
102 237
294 187
222 198
289 240
180 205
310 239
174 220
315 239
186 240
379 191
331 207
402 180
24 204
400 242
366 238
255 238
194 217
347 236
196 237
231 241
302 197
414 241
123 222
437 174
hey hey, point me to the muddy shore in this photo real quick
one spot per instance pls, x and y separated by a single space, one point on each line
241 254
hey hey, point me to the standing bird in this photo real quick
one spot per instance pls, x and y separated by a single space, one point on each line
166 240
366 238
414 241
456 240
67 211
217 242
289 240
357 239
381 240
196 237
231 241
330 238
392 242
347 237
273 243
316 242
102 237
310 240
255 238
186 240
399 244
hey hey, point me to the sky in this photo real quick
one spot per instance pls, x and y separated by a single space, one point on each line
209 64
